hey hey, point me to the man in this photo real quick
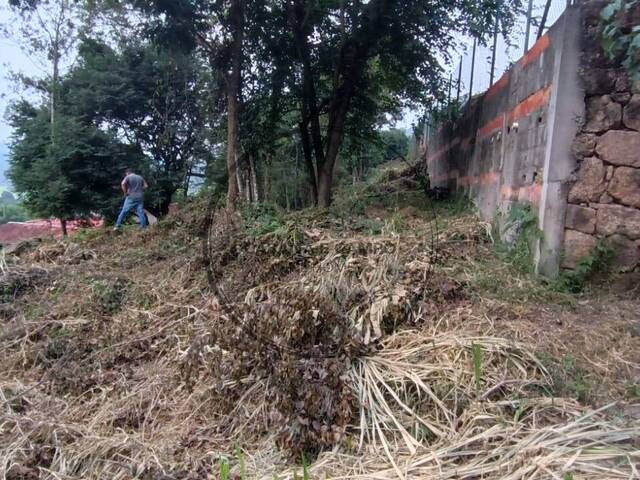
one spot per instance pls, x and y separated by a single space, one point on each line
133 187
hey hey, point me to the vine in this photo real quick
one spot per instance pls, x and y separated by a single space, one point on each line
620 40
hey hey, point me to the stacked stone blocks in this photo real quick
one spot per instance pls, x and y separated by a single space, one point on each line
604 200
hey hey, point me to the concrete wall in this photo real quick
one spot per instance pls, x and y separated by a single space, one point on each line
514 144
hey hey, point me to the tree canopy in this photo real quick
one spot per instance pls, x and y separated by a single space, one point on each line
268 100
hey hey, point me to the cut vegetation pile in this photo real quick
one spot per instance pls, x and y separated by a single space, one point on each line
371 346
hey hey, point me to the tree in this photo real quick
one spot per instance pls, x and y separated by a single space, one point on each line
48 44
76 176
217 28
150 97
324 75
395 44
343 63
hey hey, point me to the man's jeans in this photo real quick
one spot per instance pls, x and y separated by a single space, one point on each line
131 204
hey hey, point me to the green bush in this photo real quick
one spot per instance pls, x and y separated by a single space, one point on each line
108 296
520 253
13 213
262 219
575 281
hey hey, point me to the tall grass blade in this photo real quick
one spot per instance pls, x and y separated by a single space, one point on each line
476 350
243 469
225 470
305 468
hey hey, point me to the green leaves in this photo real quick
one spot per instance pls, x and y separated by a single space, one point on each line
67 170
619 41
608 12
225 469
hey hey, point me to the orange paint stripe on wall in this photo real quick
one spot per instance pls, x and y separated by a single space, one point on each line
483 179
497 87
490 127
532 55
529 193
530 104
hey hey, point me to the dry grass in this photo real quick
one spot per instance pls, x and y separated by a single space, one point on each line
111 369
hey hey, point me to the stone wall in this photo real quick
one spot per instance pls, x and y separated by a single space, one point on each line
604 197
560 131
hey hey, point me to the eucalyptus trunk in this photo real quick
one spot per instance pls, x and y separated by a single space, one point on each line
233 92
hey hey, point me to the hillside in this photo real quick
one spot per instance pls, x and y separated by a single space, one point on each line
389 337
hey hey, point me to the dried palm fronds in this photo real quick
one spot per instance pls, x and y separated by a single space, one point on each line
550 441
415 387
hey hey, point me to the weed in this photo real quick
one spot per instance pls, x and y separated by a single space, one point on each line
262 219
395 223
225 469
455 206
477 364
16 283
141 297
305 468
633 391
518 234
371 226
59 344
243 468
86 235
33 312
518 414
575 281
568 378
108 296
172 247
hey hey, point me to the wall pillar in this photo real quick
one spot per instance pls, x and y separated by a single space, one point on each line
566 111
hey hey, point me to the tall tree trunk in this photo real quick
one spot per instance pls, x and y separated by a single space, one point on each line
253 180
335 135
239 181
298 19
266 194
187 181
286 196
312 176
353 62
63 226
55 73
236 17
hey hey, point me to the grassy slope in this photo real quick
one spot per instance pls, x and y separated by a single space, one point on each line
95 343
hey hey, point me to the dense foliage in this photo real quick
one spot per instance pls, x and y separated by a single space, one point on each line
74 175
12 213
621 34
264 100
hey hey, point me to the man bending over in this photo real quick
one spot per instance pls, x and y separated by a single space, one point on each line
133 187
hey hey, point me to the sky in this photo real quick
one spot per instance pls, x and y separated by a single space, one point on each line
11 60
